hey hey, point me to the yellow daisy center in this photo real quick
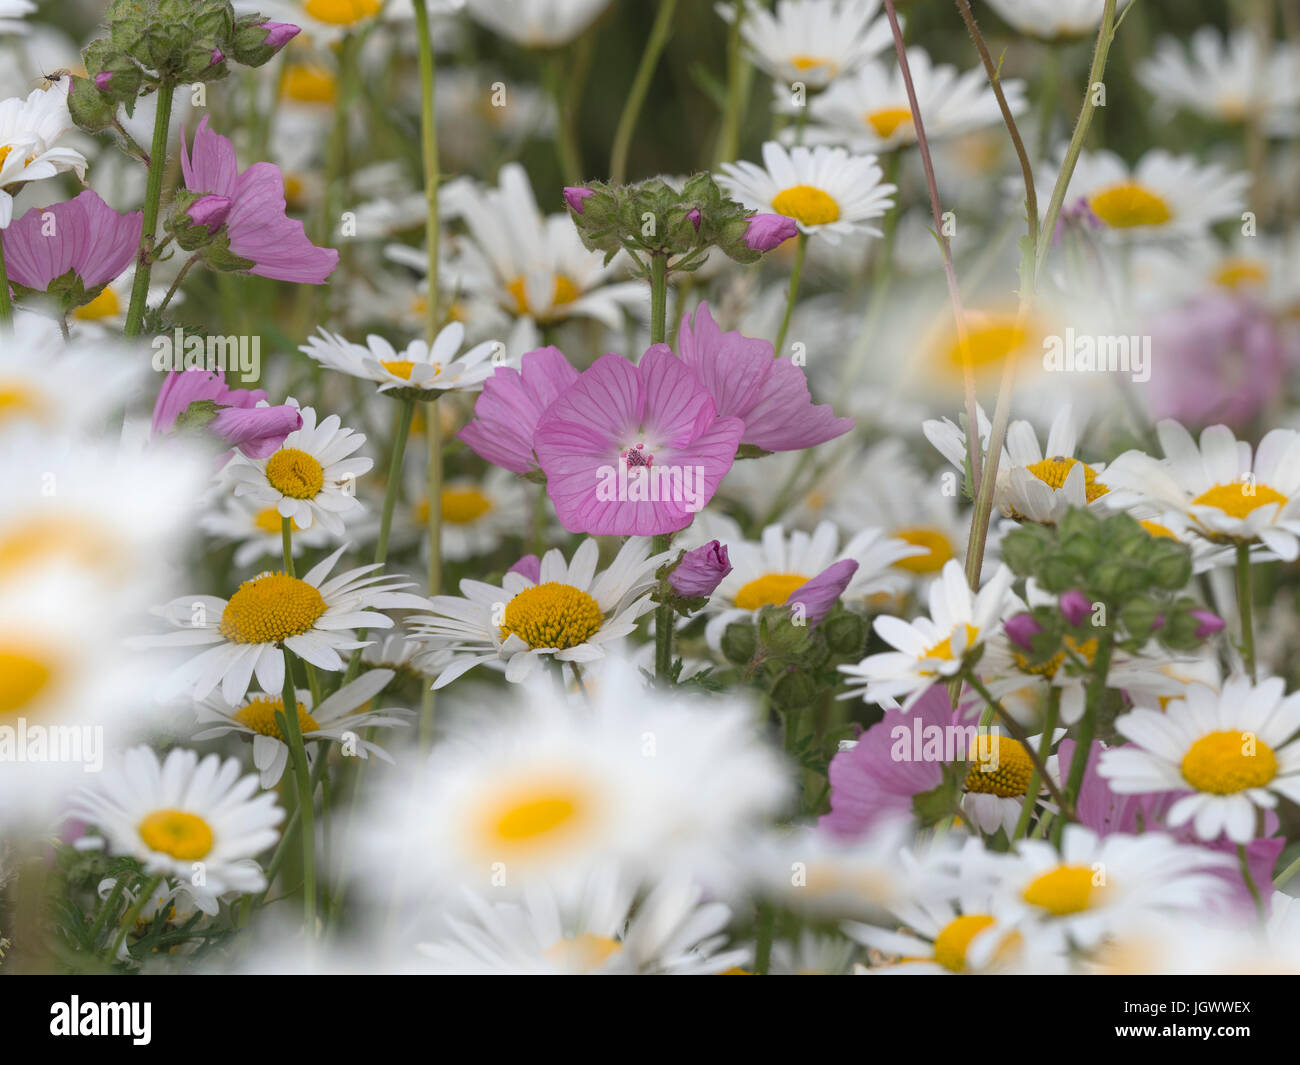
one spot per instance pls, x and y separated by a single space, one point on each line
887 120
584 953
1226 762
461 506
1130 206
803 61
341 12
399 368
935 541
18 400
182 835
1053 472
259 715
771 589
1237 273
294 190
309 83
40 539
24 675
105 305
1240 499
1010 778
990 340
269 520
1064 890
270 608
534 815
1154 528
943 649
552 615
807 205
1085 649
294 473
954 939
565 291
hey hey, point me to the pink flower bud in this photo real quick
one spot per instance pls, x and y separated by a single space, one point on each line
1075 606
700 571
103 80
210 211
1021 630
1208 625
217 57
257 431
575 195
819 594
278 34
695 218
767 231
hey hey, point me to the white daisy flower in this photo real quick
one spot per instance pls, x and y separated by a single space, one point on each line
418 371
559 787
568 615
398 652
812 41
1050 19
258 531
537 23
311 616
869 111
1228 495
768 572
1096 884
1232 79
599 929
178 900
1163 196
1034 483
812 955
1232 750
12 13
527 264
477 513
311 477
931 650
29 133
336 720
995 789
825 190
181 817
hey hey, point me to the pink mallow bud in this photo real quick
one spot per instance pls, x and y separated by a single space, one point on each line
1021 630
767 231
1208 623
217 56
695 217
103 80
700 571
574 195
278 34
258 432
1075 606
210 211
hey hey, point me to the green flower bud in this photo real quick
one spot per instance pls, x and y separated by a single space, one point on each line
740 643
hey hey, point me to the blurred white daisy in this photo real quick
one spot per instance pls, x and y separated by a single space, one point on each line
29 133
1050 19
258 530
477 513
537 23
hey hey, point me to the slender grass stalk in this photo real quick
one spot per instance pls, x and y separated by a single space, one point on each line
6 304
739 73
152 198
287 719
796 273
1044 749
286 544
132 915
1246 608
659 34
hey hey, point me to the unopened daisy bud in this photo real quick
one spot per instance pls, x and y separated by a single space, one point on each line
1021 630
1208 623
767 231
575 195
257 39
700 571
1075 606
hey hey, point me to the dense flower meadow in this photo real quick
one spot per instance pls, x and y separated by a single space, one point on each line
584 486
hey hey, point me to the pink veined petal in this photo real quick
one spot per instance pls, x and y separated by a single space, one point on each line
733 367
784 418
677 405
212 167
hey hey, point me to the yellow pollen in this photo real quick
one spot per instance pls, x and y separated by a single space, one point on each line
461 506
105 305
259 715
182 835
565 292
552 615
1064 890
270 520
1130 206
943 649
954 939
802 61
1226 762
806 205
771 589
341 12
887 120
295 473
399 368
5 149
1053 472
24 675
1085 650
584 953
309 83
1002 767
938 547
270 608
1238 273
1239 500
1154 528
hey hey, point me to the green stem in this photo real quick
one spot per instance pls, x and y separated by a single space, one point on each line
566 140
658 299
738 71
433 432
1286 874
1044 749
152 198
132 915
1246 607
1250 880
286 544
763 948
6 303
796 273
654 47
108 908
287 719
429 156
180 276
1087 729
664 622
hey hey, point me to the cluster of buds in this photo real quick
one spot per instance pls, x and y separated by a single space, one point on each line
1107 574
175 41
653 218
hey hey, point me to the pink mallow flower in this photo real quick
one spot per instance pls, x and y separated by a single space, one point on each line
634 450
258 431
257 226
770 395
817 596
700 571
85 236
511 403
